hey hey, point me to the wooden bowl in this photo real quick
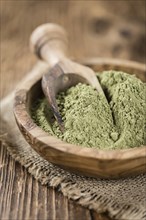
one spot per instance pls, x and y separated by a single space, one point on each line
81 160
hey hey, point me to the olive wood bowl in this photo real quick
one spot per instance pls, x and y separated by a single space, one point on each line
77 159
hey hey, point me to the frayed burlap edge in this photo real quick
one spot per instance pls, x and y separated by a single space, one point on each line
122 199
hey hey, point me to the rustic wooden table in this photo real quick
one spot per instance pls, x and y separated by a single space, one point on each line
91 26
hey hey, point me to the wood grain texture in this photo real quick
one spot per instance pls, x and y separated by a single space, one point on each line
23 197
83 22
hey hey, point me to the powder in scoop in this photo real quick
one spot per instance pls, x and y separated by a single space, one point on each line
91 120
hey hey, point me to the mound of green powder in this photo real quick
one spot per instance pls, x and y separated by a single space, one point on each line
91 120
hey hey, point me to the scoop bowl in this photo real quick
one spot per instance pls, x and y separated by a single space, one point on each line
80 160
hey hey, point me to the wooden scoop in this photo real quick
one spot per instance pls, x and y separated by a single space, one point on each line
49 42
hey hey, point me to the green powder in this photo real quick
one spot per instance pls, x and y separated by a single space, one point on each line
91 121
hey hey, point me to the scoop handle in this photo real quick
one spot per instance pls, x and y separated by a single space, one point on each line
49 42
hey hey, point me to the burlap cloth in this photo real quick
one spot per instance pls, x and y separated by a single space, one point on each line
122 199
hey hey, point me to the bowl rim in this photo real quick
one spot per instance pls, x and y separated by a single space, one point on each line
36 134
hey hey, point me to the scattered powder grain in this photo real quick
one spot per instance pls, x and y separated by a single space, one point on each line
91 121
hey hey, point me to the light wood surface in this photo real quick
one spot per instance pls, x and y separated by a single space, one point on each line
82 20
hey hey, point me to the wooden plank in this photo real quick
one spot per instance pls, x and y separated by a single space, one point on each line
23 197
29 199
